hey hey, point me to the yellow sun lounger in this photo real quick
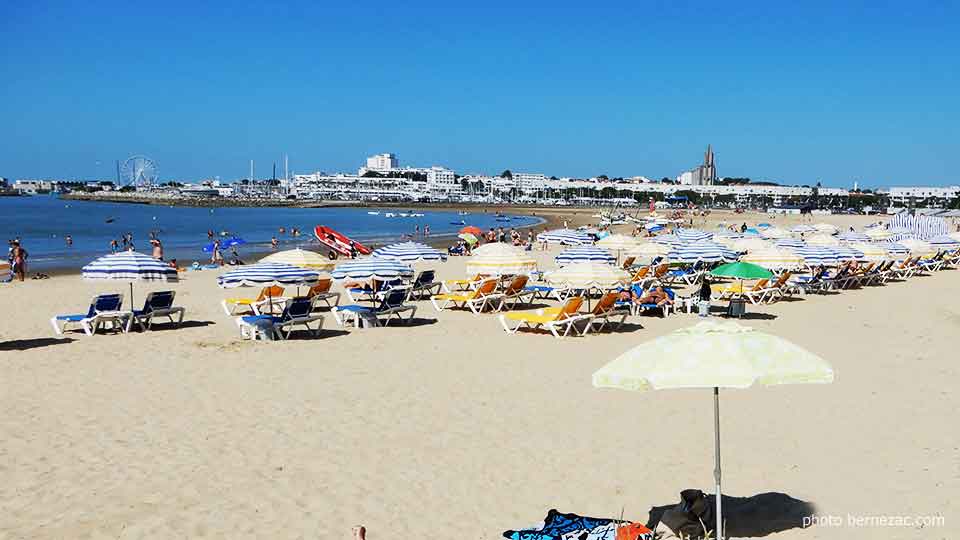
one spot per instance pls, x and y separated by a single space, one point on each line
451 285
268 295
553 319
476 300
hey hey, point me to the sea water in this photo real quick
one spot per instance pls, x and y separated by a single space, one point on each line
42 222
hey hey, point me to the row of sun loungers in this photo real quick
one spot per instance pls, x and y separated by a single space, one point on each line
106 311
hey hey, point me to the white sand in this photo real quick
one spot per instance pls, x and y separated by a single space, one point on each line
451 428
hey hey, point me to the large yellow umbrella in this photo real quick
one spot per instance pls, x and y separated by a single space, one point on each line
589 274
498 258
775 233
713 355
823 239
300 258
650 249
871 252
774 258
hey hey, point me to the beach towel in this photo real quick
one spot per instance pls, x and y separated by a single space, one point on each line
559 526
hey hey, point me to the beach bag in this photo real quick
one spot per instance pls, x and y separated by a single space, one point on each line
693 516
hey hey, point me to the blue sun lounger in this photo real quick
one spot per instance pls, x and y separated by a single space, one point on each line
391 306
158 304
104 308
296 312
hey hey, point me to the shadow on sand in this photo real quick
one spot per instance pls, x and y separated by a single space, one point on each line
27 344
746 517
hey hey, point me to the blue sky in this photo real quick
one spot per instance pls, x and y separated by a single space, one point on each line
794 94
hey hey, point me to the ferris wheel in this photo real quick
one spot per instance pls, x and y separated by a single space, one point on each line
139 171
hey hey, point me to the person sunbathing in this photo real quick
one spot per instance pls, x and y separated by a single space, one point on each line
656 296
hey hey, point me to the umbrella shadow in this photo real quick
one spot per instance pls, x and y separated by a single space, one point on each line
166 326
743 517
27 344
753 316
324 333
416 321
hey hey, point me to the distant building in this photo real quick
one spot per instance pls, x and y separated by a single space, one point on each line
382 162
911 196
529 182
704 175
442 181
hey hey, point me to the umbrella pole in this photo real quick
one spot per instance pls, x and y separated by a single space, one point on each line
131 296
716 471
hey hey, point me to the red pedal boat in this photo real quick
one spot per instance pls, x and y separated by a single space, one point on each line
338 243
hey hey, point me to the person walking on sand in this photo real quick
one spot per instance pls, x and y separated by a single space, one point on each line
217 257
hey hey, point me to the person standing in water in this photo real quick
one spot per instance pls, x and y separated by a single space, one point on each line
426 230
217 257
69 240
274 243
157 249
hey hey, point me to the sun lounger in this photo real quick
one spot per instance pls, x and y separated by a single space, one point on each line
555 319
296 312
104 309
268 296
321 293
477 300
158 304
729 290
371 292
604 310
425 284
453 285
775 291
391 306
640 275
516 292
628 263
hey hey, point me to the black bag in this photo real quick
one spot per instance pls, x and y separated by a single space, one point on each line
693 517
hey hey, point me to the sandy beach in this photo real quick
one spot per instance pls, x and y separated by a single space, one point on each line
450 428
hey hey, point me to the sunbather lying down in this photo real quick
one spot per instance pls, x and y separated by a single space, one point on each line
656 295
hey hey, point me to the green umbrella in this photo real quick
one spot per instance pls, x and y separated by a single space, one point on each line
468 238
741 270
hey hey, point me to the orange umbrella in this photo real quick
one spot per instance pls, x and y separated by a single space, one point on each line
472 230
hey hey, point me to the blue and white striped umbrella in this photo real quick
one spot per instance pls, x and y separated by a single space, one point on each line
790 243
701 251
693 235
847 253
671 240
585 254
409 252
923 227
267 275
372 268
944 242
129 266
567 237
817 255
803 228
894 248
853 236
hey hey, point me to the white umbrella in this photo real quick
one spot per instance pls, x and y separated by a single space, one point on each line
372 268
826 228
565 237
409 252
300 258
823 240
750 244
713 355
774 232
774 258
129 266
498 258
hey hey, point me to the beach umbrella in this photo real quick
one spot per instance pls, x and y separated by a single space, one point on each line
750 244
618 242
945 242
225 244
774 258
409 252
775 233
822 240
741 270
817 255
649 249
566 237
497 258
693 235
955 235
895 249
300 258
268 274
878 234
917 247
471 229
871 252
372 268
713 355
588 275
671 240
585 253
789 243
803 228
826 228
853 236
469 238
129 266
847 253
701 252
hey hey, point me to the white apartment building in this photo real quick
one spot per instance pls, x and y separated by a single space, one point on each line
442 181
382 162
529 182
906 196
